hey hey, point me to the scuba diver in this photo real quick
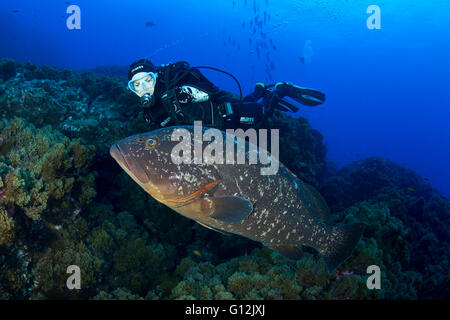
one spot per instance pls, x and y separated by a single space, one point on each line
177 94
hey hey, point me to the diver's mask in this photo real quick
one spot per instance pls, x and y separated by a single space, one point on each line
143 83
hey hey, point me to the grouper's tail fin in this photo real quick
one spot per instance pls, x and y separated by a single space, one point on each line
341 247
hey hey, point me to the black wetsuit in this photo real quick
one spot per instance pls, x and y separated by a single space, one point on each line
183 95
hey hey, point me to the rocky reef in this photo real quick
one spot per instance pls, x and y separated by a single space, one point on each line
64 201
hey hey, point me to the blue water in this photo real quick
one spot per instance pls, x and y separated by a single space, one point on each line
387 89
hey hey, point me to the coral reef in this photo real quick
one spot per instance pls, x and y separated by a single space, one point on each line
43 171
63 202
6 228
266 275
79 104
44 183
407 218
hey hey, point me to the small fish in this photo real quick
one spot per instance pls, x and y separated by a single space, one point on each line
150 24
412 189
196 252
2 140
15 11
52 226
344 273
280 211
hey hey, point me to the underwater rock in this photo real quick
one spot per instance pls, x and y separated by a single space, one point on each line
365 179
7 69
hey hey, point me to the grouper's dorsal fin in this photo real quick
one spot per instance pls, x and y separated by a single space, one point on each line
315 201
230 209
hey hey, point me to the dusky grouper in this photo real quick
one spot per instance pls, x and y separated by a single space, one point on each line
280 211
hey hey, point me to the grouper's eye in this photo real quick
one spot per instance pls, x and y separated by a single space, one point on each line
151 143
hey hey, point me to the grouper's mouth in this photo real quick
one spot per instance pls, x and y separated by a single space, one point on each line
128 163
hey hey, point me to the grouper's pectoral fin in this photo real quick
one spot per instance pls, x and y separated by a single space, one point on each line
230 209
291 251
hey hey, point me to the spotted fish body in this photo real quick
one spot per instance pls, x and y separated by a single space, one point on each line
279 210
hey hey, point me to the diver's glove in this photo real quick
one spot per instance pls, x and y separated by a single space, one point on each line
260 90
305 96
271 99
